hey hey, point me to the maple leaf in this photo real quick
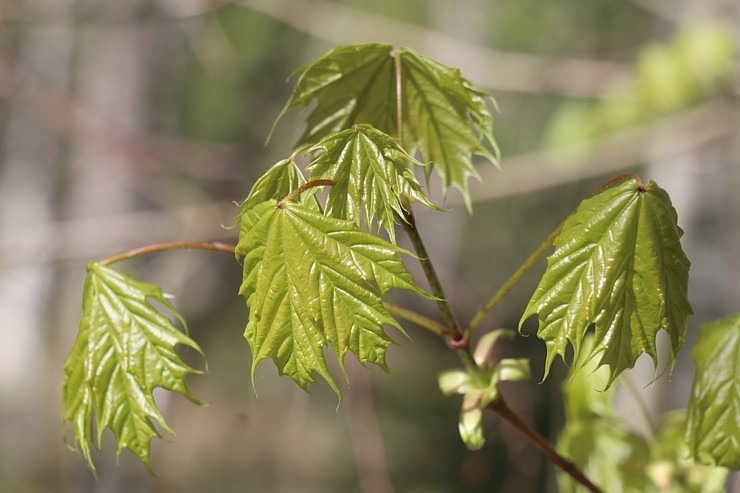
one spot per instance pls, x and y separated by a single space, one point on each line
618 264
713 427
370 172
281 179
312 281
124 349
445 117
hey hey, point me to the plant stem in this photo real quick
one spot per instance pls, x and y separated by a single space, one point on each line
511 282
174 245
452 327
532 259
500 407
306 186
616 181
416 318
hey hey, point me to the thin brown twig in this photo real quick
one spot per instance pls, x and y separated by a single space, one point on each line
175 245
500 407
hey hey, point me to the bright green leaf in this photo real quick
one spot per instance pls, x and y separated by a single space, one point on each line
124 349
713 428
312 280
351 84
284 177
445 116
618 264
370 173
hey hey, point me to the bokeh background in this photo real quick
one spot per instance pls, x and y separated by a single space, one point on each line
141 121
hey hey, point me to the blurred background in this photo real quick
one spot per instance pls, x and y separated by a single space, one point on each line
134 122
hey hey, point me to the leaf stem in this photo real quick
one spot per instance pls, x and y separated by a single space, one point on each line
616 181
173 245
306 186
511 282
535 256
417 318
452 329
500 407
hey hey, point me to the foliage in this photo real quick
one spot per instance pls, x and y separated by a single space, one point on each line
618 264
315 276
310 280
617 457
369 169
480 386
124 350
713 431
444 115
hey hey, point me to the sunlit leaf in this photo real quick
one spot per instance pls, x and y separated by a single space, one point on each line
312 281
445 116
713 428
124 349
617 265
281 179
370 173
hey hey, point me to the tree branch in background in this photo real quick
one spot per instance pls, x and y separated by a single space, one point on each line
499 70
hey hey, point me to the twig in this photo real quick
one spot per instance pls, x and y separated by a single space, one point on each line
175 245
511 282
416 318
500 407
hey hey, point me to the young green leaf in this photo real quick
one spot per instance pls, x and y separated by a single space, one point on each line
284 177
481 389
124 349
618 264
312 280
445 116
370 173
713 428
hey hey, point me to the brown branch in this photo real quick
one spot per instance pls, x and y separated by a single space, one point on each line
500 407
175 245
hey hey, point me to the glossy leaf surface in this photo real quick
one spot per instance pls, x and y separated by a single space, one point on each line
618 264
713 429
370 173
312 281
124 349
445 116
281 179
